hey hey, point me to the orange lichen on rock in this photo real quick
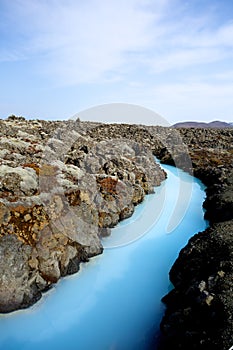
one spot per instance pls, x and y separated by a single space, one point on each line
32 166
24 222
108 184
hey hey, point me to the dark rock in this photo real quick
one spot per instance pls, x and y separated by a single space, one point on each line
199 309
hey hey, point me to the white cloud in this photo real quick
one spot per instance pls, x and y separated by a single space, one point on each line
191 41
80 42
219 37
77 42
225 75
182 58
162 54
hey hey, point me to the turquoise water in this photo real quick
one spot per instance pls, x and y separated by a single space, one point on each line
114 301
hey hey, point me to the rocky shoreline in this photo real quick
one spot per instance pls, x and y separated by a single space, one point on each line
60 191
64 184
199 313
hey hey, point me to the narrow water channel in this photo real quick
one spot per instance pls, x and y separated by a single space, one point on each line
114 301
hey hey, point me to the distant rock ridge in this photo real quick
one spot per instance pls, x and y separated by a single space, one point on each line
214 125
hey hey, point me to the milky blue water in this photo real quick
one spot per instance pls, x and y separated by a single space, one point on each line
114 301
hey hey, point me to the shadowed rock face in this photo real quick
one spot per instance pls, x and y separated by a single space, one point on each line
199 309
60 190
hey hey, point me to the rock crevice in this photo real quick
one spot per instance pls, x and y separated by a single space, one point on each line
63 185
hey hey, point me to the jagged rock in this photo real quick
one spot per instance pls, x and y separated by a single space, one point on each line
61 189
219 203
16 281
200 308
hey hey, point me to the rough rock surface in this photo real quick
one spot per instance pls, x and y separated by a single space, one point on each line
60 190
200 308
199 312
64 184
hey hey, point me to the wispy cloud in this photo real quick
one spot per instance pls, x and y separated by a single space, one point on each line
181 58
156 53
191 40
81 41
76 42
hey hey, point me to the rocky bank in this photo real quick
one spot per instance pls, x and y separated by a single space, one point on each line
64 184
199 313
60 190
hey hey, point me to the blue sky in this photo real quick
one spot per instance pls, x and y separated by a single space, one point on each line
59 57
